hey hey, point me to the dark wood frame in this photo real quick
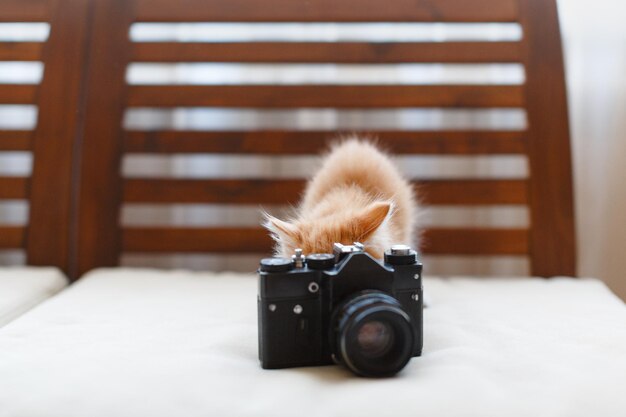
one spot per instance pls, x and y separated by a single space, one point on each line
47 238
86 164
552 239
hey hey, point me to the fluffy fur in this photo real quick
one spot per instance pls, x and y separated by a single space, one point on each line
358 195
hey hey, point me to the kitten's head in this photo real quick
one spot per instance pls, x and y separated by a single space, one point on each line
366 225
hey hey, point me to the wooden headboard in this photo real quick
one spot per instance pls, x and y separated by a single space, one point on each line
100 190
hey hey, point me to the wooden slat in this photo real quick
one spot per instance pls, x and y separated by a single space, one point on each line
219 240
442 241
17 94
472 192
20 51
259 191
337 52
12 237
352 96
15 140
13 188
327 10
312 142
24 10
255 240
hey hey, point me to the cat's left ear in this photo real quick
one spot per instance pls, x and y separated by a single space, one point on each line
371 218
280 228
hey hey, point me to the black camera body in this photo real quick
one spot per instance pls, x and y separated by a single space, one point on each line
345 307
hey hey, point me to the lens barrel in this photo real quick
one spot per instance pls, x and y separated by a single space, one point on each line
372 335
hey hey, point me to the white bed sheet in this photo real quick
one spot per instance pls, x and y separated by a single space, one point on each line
153 343
21 288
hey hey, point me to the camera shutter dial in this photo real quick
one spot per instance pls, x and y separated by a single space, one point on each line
400 250
400 255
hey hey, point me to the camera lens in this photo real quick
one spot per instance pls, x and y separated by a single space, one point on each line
375 338
372 334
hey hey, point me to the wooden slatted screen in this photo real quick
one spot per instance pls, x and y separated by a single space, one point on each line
548 241
49 137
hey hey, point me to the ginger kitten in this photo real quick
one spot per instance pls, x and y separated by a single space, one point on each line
358 195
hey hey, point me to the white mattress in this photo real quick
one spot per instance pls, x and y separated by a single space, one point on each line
147 343
21 288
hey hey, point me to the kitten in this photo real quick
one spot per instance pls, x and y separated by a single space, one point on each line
358 195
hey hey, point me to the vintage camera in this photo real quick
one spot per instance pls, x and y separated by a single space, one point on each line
344 307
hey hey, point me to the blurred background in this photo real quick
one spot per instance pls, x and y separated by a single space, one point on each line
594 42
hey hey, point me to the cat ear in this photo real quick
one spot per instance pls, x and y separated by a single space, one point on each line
370 219
280 228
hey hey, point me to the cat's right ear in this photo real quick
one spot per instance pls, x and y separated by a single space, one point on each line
368 221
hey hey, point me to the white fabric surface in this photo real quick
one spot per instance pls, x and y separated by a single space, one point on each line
21 288
155 343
